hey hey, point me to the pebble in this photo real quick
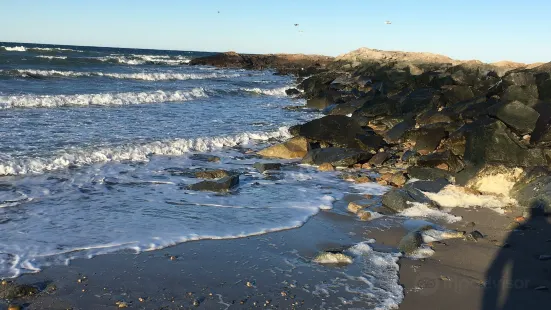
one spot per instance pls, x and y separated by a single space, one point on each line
249 284
474 236
326 167
141 299
196 303
364 215
121 304
14 307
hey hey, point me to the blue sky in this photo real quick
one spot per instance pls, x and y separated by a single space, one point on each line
488 30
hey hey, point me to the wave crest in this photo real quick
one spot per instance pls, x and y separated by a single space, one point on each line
103 99
133 152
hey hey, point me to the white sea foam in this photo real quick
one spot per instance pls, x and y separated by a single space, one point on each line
104 99
417 209
456 197
14 48
48 57
134 152
146 76
137 59
280 92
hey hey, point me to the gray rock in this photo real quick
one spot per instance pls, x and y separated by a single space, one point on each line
212 174
337 157
521 118
446 160
528 94
12 290
261 167
220 185
426 173
399 199
474 236
411 242
428 186
379 158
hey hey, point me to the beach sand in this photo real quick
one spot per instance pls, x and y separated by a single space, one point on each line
275 270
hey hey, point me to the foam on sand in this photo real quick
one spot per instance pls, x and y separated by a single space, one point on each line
417 209
102 99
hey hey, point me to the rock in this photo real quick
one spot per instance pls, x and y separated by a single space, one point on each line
474 236
326 167
401 199
426 173
364 215
378 159
428 139
332 258
417 101
220 185
262 167
337 157
340 131
453 94
533 192
14 307
212 174
411 242
521 118
293 148
395 134
527 95
205 157
445 160
319 103
11 290
398 179
356 206
347 107
292 92
428 186
121 304
490 142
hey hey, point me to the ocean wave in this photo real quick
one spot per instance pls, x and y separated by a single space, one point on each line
146 76
14 48
269 92
52 57
132 152
102 99
137 59
39 49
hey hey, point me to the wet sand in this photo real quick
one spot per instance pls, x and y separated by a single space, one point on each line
275 270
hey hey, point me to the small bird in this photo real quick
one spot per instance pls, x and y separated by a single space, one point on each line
388 22
218 12
296 25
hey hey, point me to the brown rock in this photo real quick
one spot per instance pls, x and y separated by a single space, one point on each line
378 159
382 182
364 215
362 179
212 174
358 205
443 167
386 177
14 307
294 148
398 179
326 167
357 166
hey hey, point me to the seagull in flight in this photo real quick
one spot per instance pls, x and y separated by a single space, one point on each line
388 22
296 25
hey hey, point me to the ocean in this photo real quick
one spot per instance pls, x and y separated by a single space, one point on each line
97 146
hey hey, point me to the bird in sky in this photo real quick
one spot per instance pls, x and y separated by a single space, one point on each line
296 25
388 22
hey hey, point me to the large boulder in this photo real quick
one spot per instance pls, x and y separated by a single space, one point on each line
224 184
453 94
427 173
293 148
533 191
212 174
521 118
444 160
399 199
337 157
418 100
490 142
526 94
396 133
340 131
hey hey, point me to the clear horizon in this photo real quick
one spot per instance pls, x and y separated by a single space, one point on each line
489 31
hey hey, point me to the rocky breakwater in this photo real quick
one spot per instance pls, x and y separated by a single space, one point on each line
298 64
483 126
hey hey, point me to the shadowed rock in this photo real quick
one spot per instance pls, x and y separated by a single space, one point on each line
337 157
220 185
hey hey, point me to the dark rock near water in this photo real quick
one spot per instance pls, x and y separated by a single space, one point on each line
379 158
338 157
397 132
292 92
212 174
426 173
428 186
12 290
205 157
399 199
262 167
220 185
445 160
519 117
340 131
491 142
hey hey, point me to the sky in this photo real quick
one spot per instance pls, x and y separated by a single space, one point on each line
488 30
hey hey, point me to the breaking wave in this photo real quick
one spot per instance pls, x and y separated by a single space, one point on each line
40 49
146 76
103 99
132 152
270 92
